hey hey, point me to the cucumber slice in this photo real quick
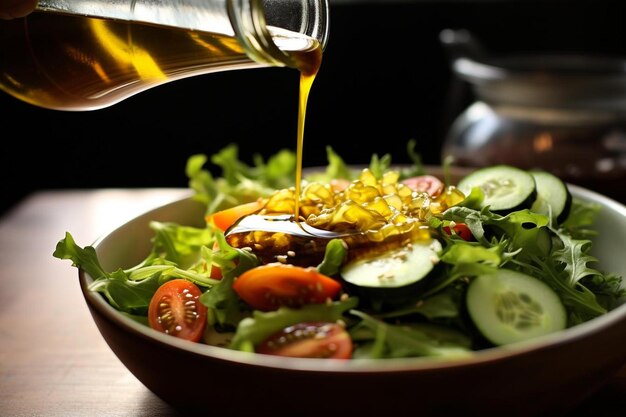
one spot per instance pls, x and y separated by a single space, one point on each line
505 188
553 196
394 276
509 306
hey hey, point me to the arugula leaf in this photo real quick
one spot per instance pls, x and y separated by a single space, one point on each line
378 166
606 287
529 240
132 289
526 229
179 244
401 341
579 222
239 183
443 305
280 170
415 169
126 295
232 168
336 169
225 308
474 199
200 180
86 259
574 255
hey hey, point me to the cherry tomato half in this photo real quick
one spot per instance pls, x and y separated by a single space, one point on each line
225 218
462 230
309 340
269 286
175 309
425 183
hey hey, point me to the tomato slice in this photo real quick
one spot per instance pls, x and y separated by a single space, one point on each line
339 184
216 271
425 183
175 309
309 340
270 286
462 230
225 218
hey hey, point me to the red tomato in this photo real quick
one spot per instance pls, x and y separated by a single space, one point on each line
216 271
462 230
425 183
309 340
270 286
339 184
225 218
175 309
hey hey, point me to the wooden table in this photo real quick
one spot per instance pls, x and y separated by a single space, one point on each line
53 361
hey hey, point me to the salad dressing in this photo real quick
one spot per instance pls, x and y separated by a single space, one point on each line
71 62
308 63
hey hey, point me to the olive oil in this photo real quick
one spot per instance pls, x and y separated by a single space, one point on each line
308 63
71 62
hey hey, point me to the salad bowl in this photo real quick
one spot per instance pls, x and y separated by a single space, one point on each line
549 375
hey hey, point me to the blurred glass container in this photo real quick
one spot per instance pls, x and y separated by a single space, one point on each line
562 113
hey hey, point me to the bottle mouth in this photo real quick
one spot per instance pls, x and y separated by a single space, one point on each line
273 30
307 17
559 80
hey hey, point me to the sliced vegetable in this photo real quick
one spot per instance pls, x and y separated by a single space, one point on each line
461 230
505 188
225 218
394 276
508 306
553 197
175 309
425 183
309 340
270 286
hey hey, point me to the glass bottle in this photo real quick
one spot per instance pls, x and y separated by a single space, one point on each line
90 54
565 113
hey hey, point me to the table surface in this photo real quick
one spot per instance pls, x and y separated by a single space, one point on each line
53 361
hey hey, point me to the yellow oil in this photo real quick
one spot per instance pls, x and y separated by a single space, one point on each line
70 62
309 64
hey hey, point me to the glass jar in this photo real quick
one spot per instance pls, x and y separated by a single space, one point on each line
89 54
562 113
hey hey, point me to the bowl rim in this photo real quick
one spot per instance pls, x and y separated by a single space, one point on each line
414 364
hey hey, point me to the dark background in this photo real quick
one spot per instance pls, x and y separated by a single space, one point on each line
384 80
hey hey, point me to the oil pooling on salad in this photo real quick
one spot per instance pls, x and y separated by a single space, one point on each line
399 263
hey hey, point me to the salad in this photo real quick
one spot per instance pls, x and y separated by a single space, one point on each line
381 262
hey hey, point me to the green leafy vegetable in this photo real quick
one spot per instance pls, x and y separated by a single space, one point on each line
225 308
379 339
434 324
